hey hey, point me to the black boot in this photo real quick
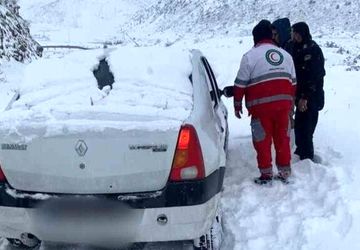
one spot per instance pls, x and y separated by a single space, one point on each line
263 180
283 176
283 179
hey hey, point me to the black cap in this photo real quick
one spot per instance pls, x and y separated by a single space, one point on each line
262 31
303 30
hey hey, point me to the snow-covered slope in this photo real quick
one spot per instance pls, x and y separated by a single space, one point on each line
120 21
224 16
15 39
15 43
80 21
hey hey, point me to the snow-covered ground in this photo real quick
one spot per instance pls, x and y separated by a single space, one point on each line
321 209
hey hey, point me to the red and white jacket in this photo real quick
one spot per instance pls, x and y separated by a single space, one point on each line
267 79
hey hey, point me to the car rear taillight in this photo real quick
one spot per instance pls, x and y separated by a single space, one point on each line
188 163
2 175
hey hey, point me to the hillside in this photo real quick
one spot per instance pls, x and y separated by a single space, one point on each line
80 21
118 20
15 38
228 16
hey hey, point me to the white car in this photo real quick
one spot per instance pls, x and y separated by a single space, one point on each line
140 160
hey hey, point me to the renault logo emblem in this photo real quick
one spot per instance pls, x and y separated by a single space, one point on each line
81 148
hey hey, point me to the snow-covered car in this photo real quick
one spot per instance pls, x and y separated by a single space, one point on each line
139 158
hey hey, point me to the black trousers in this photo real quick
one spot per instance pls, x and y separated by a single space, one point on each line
305 124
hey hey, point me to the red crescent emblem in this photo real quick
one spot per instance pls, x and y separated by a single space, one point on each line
273 57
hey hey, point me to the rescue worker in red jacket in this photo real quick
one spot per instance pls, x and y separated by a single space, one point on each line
267 80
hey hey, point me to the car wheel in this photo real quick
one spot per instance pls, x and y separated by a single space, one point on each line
213 238
27 241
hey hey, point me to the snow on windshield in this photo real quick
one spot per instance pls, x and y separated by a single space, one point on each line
151 91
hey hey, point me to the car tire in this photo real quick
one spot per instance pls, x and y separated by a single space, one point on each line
213 238
31 242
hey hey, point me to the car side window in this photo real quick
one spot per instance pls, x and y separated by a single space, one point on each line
213 78
214 91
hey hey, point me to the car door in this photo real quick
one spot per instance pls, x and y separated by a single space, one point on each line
219 108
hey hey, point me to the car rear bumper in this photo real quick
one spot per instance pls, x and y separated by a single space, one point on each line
185 193
180 211
183 223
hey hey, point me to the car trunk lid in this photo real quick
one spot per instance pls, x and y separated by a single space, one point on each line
113 161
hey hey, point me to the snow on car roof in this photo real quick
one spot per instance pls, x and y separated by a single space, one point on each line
151 91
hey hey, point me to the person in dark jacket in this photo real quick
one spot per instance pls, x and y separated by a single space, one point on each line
281 31
309 65
281 35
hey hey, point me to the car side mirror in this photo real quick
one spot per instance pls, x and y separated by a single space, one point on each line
228 91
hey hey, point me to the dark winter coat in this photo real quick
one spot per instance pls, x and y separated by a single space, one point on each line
309 65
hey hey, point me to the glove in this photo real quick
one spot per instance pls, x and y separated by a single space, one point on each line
228 91
302 105
238 112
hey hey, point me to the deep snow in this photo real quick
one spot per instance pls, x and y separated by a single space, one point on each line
74 103
320 210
